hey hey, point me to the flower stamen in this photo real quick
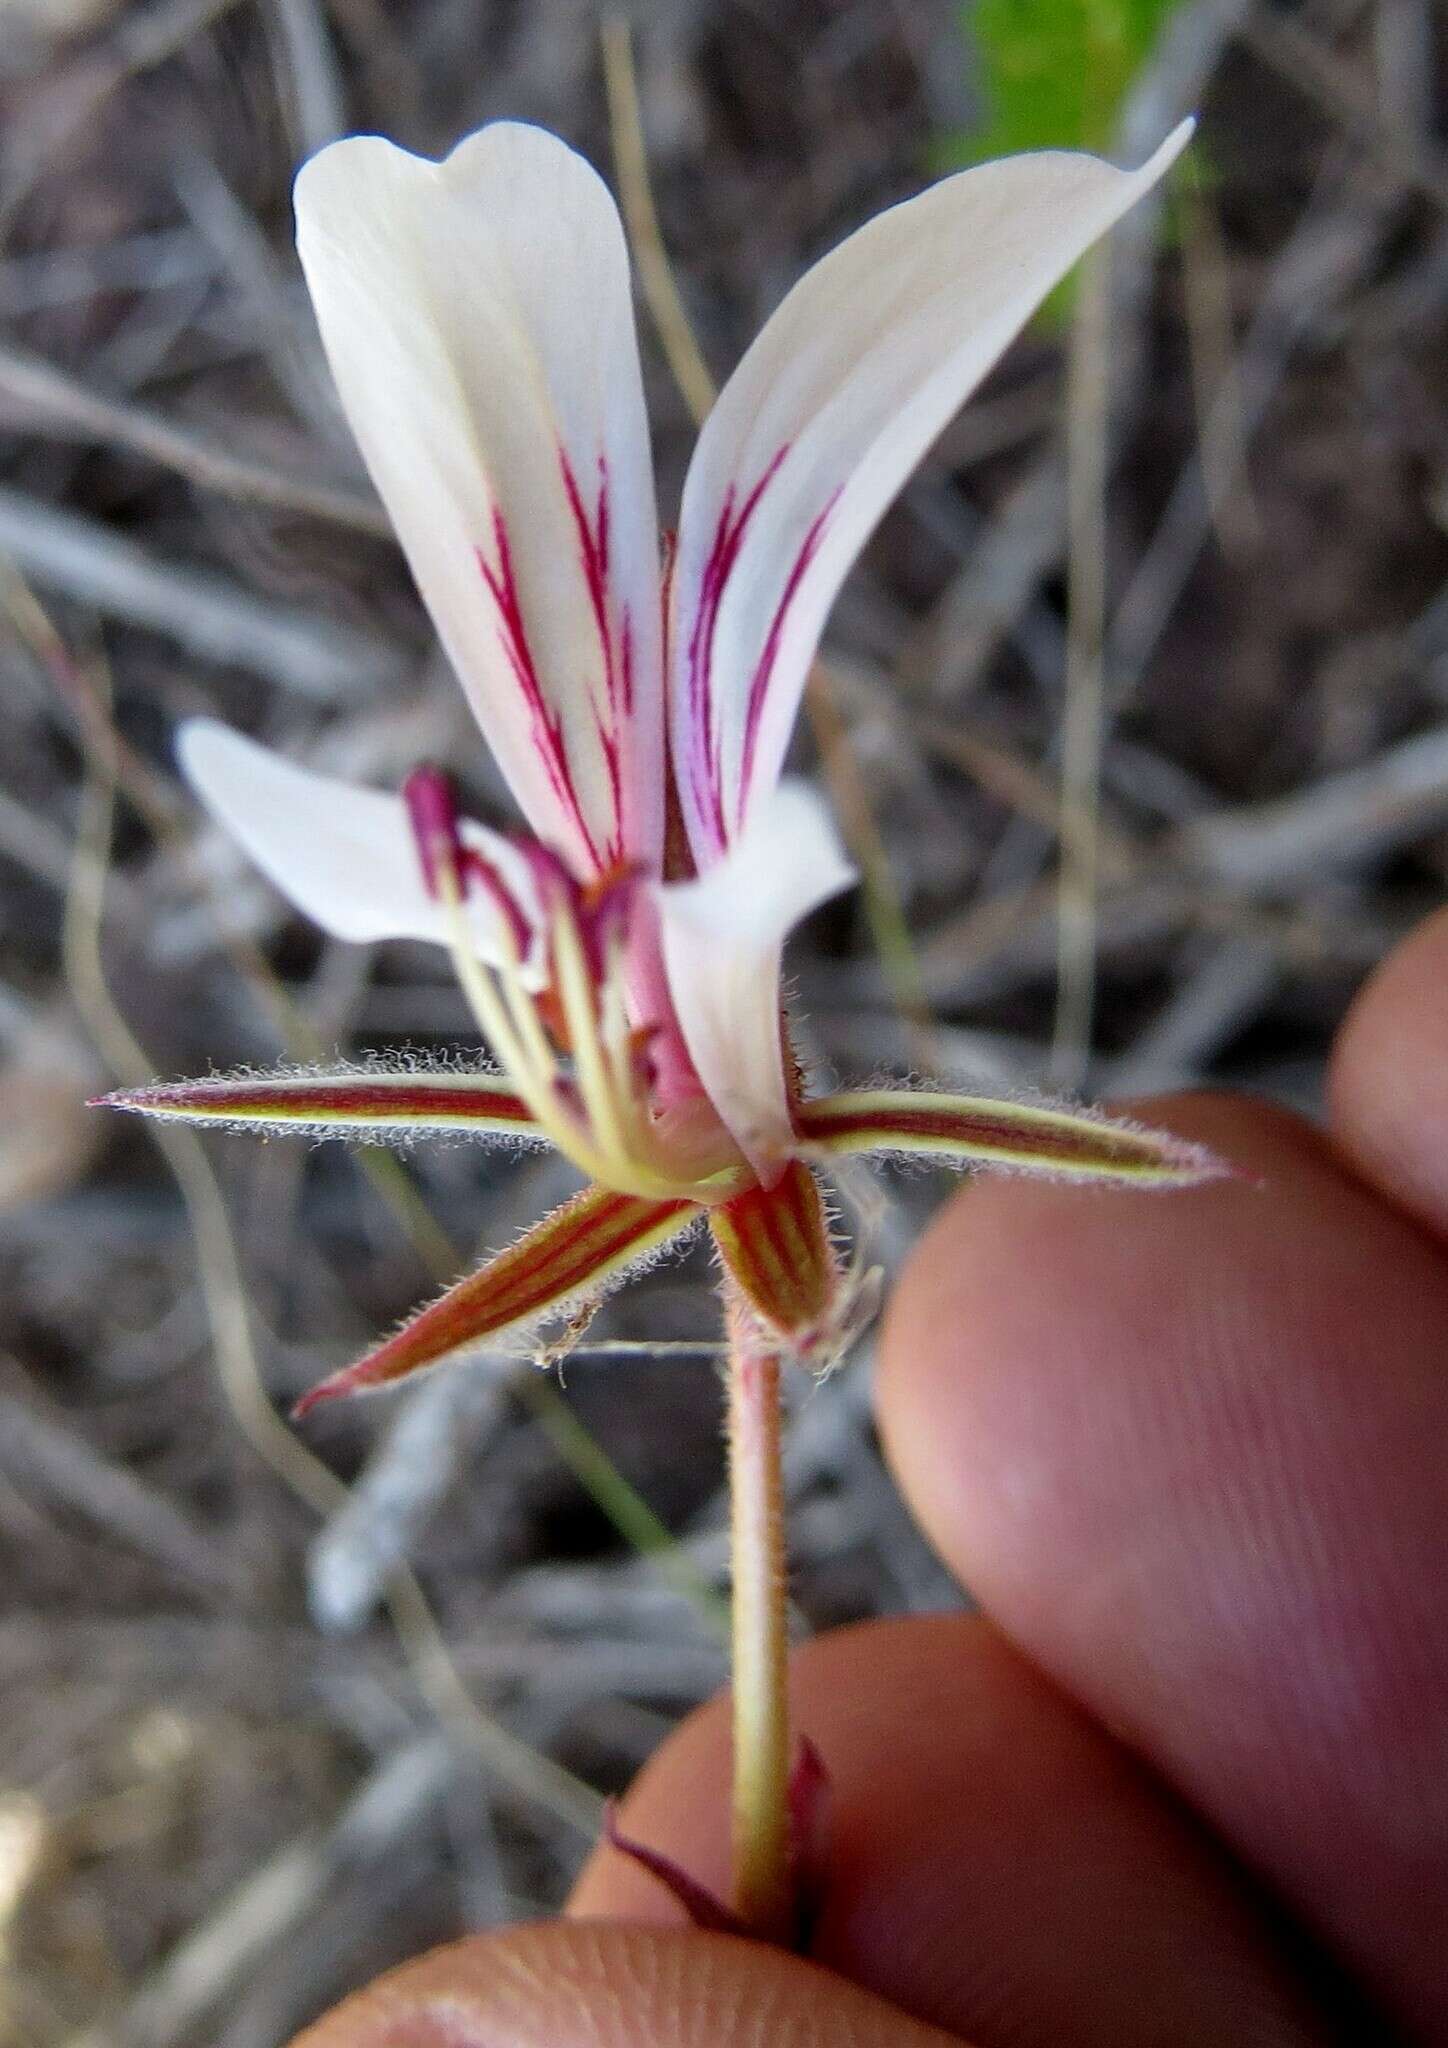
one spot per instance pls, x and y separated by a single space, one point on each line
598 1111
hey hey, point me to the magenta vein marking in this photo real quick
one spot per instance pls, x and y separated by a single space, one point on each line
704 764
769 654
547 732
593 548
593 551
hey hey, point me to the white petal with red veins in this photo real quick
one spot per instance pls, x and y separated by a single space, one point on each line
723 937
478 320
345 856
832 407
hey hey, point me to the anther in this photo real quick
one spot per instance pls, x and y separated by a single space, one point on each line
448 864
433 811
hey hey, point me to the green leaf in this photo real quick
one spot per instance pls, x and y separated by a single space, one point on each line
1052 74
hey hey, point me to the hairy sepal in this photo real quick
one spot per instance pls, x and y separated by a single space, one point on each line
381 1104
1051 1140
575 1255
775 1246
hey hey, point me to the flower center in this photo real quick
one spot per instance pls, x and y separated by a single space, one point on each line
554 1008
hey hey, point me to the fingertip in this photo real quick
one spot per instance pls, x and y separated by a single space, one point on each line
581 1984
1388 1078
1009 1264
998 1865
1187 1452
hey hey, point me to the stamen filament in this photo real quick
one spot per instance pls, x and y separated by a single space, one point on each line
617 1040
510 1023
598 1118
488 1011
580 1013
526 1021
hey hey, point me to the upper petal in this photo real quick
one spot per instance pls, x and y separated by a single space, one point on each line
344 855
478 320
839 397
723 937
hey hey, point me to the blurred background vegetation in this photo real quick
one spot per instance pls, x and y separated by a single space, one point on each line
1136 712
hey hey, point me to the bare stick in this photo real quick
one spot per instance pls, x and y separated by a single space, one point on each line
1336 823
1306 62
1215 366
200 611
309 66
237 1935
223 1288
656 275
1081 737
42 1451
47 397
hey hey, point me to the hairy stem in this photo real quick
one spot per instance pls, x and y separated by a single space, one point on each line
763 1874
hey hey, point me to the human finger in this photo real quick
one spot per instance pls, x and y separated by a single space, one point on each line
1388 1081
997 1865
1188 1451
573 1984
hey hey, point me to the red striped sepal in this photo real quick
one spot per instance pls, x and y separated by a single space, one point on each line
359 1103
1021 1137
574 1254
775 1245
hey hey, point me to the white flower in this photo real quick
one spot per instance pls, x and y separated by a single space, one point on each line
625 965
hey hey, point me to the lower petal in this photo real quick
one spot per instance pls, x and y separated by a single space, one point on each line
723 938
576 1253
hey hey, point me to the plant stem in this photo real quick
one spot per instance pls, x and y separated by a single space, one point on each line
763 1877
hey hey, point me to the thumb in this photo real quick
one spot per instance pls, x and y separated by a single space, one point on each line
592 1984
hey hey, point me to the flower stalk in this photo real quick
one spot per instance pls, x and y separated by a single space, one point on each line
764 1899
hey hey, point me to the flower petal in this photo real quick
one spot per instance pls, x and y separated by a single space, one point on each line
775 1245
1020 1137
344 855
723 936
829 411
355 1103
479 323
578 1251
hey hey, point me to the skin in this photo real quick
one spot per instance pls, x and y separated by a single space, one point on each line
1184 1779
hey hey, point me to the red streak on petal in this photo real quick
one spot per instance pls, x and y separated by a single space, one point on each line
759 685
626 663
593 552
593 545
608 741
703 767
547 727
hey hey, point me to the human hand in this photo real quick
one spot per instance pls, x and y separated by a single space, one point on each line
1185 1780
